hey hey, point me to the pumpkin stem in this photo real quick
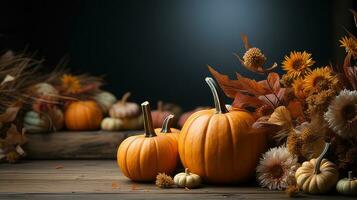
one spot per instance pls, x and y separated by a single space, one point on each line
217 97
350 176
125 97
187 171
319 159
166 125
149 128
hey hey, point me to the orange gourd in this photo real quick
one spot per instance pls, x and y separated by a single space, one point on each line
219 145
83 115
142 157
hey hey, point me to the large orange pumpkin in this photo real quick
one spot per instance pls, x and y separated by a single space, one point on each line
142 157
219 145
83 115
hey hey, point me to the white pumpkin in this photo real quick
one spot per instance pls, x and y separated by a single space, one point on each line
111 124
187 179
317 176
347 186
124 109
105 100
44 89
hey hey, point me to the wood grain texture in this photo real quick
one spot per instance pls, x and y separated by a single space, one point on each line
75 145
101 179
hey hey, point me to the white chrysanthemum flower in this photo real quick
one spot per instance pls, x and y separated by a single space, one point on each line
276 168
341 115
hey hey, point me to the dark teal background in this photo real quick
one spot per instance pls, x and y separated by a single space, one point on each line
160 49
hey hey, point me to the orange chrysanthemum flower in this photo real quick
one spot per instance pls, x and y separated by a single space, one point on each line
70 83
350 45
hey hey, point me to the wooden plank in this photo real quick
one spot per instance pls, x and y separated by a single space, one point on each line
94 179
75 145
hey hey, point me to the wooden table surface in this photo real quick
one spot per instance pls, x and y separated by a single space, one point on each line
101 179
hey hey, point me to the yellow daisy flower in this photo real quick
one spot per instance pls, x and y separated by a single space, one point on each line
350 45
70 83
297 64
320 79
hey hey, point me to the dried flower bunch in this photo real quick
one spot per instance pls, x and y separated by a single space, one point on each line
304 108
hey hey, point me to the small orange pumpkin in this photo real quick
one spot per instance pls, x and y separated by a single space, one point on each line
142 157
159 115
219 145
83 115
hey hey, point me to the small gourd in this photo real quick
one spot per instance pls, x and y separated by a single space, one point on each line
187 179
124 109
317 176
111 124
105 100
347 186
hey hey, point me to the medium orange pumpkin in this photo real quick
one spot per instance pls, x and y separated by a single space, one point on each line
142 157
83 115
219 145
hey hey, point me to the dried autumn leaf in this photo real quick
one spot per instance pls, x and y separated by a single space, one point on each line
14 137
10 114
243 101
59 166
8 78
245 41
273 81
115 185
229 87
252 86
347 71
295 109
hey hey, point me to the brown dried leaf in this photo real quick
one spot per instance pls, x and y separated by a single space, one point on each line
229 87
245 41
14 137
10 114
252 86
134 187
59 166
115 185
243 101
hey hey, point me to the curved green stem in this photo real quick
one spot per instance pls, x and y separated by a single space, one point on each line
319 159
218 101
149 128
166 125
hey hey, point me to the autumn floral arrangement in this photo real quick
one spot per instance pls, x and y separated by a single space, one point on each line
310 113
